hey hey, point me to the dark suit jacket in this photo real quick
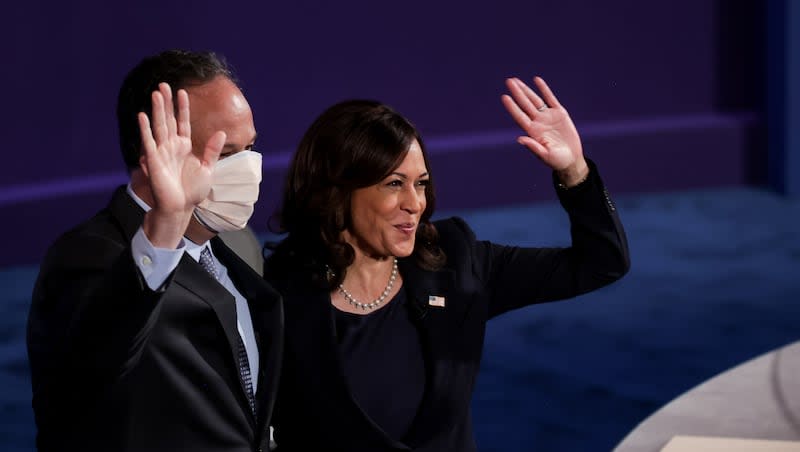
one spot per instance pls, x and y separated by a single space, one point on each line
118 367
316 410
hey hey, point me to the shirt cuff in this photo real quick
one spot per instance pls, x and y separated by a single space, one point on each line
156 264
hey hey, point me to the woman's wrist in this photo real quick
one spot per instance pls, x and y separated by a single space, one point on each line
573 175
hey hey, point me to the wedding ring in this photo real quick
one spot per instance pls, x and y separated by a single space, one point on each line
542 108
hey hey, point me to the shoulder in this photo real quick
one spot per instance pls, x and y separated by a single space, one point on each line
283 264
89 240
454 232
458 242
99 240
88 249
106 229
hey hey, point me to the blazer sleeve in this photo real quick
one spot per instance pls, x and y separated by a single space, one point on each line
92 310
512 277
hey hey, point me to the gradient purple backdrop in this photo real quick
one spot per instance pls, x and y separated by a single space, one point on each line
665 93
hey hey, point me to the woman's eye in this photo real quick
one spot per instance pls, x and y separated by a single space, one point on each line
395 183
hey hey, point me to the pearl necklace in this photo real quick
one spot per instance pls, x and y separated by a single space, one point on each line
375 303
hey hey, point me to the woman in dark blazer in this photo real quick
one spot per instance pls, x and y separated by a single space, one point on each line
385 310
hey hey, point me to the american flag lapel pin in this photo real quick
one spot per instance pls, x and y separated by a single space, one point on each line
435 300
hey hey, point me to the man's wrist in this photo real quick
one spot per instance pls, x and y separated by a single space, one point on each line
165 229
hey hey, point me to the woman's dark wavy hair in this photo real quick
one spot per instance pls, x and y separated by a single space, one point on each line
352 145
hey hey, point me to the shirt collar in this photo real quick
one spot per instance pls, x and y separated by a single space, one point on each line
194 249
136 198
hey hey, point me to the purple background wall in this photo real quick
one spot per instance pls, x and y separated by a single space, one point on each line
667 94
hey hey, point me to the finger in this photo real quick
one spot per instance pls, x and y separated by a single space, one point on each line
534 146
158 123
534 98
519 116
549 97
520 98
184 124
169 108
148 144
213 148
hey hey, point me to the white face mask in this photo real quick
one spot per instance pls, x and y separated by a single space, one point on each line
234 191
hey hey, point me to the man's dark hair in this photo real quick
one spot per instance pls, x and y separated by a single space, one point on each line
178 68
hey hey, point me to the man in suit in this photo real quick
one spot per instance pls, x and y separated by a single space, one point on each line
146 332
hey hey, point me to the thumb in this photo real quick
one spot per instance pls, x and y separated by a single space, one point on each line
144 167
213 148
534 146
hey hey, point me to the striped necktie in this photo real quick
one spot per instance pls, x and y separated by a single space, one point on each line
207 262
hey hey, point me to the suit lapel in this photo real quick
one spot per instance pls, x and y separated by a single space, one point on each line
314 335
195 279
314 341
437 326
266 312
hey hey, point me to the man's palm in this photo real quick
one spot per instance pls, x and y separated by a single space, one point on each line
179 179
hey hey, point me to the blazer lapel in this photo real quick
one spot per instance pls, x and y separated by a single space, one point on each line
195 279
313 340
437 324
266 312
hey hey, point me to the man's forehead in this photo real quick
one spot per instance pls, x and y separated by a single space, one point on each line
218 90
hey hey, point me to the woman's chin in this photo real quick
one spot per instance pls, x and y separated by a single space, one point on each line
401 252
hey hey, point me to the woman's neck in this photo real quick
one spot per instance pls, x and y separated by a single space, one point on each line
367 276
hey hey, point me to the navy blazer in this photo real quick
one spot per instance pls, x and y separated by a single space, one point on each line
116 366
315 408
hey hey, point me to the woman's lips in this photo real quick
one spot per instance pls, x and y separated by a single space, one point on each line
406 228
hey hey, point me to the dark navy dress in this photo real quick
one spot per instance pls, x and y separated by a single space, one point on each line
381 356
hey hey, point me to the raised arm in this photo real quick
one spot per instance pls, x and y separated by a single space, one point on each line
598 255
